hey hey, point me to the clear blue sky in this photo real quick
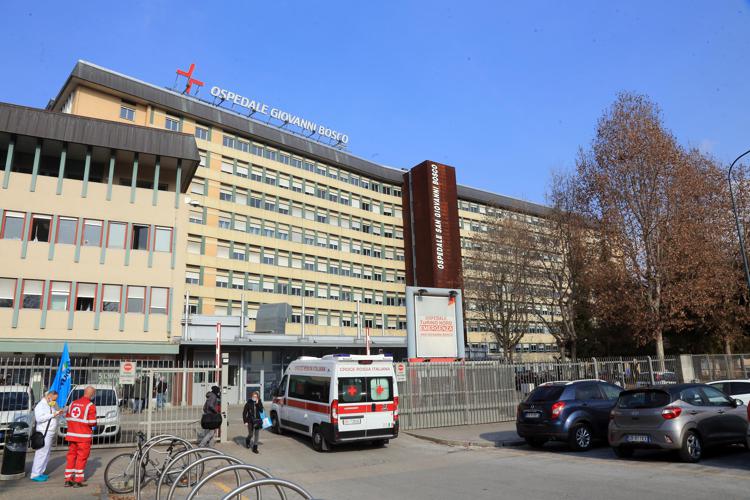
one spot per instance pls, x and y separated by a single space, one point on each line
505 92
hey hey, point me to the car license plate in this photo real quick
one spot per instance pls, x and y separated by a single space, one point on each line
532 414
638 438
351 421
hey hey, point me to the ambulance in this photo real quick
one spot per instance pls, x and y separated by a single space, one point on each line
338 398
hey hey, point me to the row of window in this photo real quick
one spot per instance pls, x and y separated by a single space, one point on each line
302 185
62 296
90 233
302 163
274 257
297 209
271 284
494 347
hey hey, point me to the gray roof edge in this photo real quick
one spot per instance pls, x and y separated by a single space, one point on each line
96 74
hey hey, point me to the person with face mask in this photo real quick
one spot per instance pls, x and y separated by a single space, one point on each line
251 418
45 415
212 407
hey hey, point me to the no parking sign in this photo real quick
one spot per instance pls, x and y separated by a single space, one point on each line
400 369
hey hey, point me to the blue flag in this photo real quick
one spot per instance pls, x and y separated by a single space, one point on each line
61 383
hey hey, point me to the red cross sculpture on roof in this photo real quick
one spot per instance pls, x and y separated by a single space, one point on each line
352 390
189 76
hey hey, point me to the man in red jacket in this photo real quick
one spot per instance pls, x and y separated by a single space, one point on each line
81 418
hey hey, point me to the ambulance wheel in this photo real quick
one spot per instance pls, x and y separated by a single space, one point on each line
275 425
318 440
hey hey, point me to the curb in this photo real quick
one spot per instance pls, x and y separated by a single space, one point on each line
467 444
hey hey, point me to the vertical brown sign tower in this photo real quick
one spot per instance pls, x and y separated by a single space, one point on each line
432 241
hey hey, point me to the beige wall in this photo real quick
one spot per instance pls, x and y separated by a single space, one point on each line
62 267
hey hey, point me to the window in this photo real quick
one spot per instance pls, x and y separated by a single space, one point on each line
194 246
692 396
59 296
32 294
111 297
380 389
7 292
139 239
136 295
159 299
222 281
40 225
192 277
116 235
715 397
163 239
85 296
309 388
352 390
737 387
66 230
201 133
127 113
226 195
13 225
198 186
586 392
196 217
611 392
172 124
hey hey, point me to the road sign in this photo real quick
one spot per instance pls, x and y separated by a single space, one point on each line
400 369
127 372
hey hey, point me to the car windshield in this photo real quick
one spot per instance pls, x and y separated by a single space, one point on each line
14 401
643 399
545 393
103 397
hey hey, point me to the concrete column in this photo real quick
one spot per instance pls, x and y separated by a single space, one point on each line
72 303
45 304
86 172
133 179
9 161
178 184
61 169
155 195
35 167
111 174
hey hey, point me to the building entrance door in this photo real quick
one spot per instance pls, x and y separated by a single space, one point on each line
255 382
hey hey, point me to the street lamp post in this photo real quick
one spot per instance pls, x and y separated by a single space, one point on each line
740 236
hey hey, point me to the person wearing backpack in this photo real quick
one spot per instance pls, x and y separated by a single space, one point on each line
45 415
211 419
251 417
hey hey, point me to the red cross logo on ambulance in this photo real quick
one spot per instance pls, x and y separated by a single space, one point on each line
352 390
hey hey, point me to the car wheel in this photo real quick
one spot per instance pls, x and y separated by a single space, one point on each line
535 442
318 441
580 437
623 451
275 424
692 447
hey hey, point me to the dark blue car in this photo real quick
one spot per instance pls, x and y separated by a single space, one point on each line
573 412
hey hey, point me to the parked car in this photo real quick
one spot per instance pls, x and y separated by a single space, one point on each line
736 389
108 422
16 403
573 412
685 417
660 378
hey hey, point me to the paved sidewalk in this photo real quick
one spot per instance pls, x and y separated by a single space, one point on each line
483 435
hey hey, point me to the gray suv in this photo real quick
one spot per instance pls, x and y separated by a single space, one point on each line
683 417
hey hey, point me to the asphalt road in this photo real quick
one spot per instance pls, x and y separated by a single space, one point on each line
414 469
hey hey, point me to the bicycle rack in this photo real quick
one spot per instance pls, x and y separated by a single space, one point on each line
251 469
279 483
180 456
227 458
144 453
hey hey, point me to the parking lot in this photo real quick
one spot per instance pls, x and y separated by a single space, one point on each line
410 467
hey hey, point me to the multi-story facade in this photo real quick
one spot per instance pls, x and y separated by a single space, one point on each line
91 222
278 218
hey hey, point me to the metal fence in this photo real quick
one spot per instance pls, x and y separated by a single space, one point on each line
478 392
707 367
166 396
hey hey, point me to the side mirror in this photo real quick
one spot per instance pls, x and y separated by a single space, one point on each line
737 402
275 392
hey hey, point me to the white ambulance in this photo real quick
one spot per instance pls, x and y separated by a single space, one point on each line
338 398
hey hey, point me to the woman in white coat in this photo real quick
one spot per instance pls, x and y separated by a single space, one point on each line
45 415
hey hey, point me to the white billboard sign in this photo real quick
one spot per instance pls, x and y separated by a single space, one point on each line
435 326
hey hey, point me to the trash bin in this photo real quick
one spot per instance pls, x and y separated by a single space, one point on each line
16 445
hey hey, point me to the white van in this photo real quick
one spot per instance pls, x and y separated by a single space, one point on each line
16 404
338 398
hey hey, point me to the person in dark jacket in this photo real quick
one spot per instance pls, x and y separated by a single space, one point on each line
251 418
211 406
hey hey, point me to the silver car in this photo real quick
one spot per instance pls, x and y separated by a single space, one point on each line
683 417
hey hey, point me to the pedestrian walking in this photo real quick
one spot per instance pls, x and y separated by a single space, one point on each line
161 391
81 418
211 419
251 417
45 414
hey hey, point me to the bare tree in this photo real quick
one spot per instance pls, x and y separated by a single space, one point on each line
561 253
497 279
